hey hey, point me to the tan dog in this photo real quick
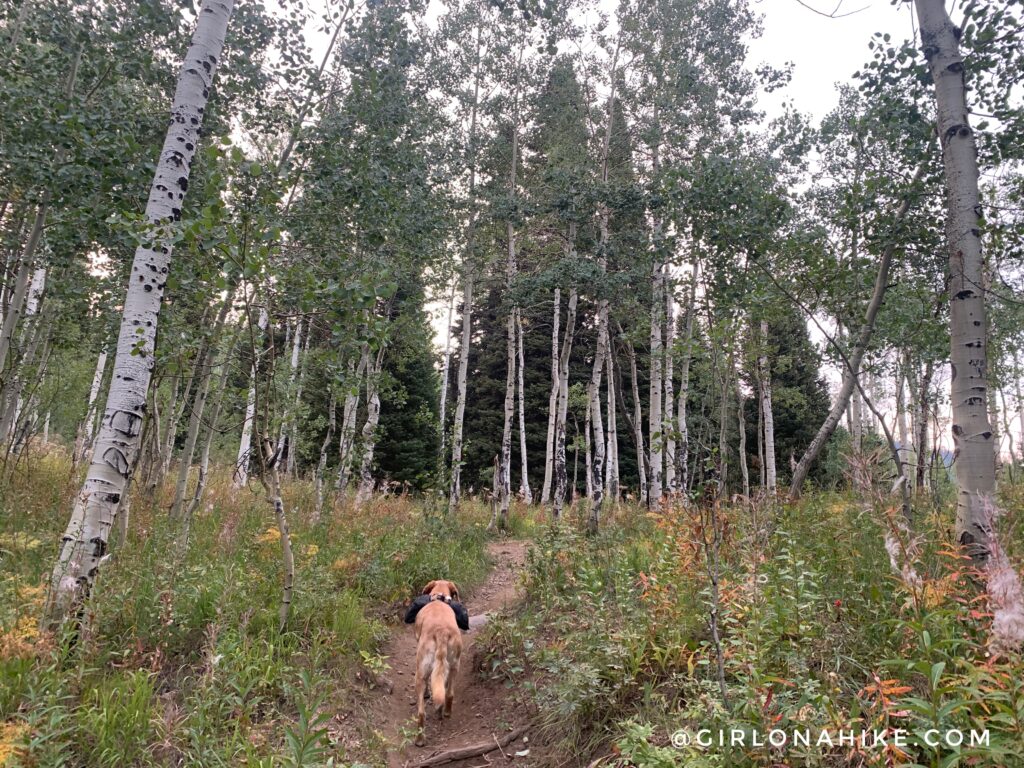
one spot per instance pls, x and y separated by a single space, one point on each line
438 652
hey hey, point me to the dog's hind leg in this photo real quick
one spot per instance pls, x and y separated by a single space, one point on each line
423 668
453 672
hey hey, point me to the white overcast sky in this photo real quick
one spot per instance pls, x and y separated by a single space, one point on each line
824 51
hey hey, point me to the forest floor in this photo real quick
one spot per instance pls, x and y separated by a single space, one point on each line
485 710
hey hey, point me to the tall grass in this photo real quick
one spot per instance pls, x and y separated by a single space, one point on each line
181 662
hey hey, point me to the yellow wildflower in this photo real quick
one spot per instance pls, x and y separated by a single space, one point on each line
271 536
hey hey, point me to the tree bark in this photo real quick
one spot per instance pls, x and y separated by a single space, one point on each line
524 482
924 410
670 435
241 477
84 542
549 450
654 427
366 481
682 426
972 434
454 489
321 467
348 419
561 478
638 429
767 414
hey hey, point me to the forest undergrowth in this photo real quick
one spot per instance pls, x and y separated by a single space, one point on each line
181 662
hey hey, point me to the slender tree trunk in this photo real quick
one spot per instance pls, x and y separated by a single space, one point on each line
742 425
972 434
682 427
901 416
445 368
321 467
455 490
366 481
638 430
549 451
561 479
348 419
654 427
924 408
84 543
612 472
853 360
1007 431
670 433
293 377
767 413
723 427
1020 412
83 444
524 483
997 438
597 425
241 478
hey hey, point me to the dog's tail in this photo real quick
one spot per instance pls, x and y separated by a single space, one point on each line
439 674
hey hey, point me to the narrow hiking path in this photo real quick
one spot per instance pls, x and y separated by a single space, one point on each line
484 710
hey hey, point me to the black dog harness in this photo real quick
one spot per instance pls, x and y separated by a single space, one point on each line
461 614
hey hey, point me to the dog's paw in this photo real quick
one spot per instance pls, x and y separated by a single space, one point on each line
421 740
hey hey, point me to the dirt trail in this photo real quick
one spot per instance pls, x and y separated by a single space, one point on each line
483 709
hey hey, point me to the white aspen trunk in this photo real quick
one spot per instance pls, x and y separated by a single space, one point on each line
924 411
348 419
901 417
20 291
85 433
654 424
612 473
857 421
293 447
505 469
46 428
241 476
723 424
767 414
510 326
31 337
1020 412
596 466
549 445
638 429
997 438
445 366
454 489
321 467
972 434
84 543
742 424
366 481
670 437
293 375
854 357
561 478
682 425
588 457
1007 431
524 483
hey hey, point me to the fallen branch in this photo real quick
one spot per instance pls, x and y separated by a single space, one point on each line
473 750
